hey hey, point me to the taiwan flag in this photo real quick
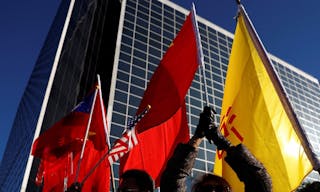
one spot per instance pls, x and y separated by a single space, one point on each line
67 135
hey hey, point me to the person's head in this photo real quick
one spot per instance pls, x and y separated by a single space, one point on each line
211 183
310 187
135 180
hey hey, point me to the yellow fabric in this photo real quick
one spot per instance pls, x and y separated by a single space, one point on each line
253 114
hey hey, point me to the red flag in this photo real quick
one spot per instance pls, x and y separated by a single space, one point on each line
98 133
60 174
156 146
100 178
167 118
56 173
171 80
68 133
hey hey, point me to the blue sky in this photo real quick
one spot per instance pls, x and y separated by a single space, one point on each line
289 30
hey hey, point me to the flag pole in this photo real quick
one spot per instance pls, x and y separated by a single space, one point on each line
103 113
280 90
113 186
87 133
200 53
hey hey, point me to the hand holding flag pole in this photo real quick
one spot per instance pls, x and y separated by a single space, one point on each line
200 59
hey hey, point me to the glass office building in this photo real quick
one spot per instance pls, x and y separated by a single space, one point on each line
124 43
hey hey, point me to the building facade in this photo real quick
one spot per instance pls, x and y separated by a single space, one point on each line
124 42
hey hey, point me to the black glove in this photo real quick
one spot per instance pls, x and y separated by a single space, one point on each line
207 128
218 139
206 122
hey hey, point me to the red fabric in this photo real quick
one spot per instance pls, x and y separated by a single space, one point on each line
67 134
167 117
100 179
156 146
171 80
54 174
97 132
57 171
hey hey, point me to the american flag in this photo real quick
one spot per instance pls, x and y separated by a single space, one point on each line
128 139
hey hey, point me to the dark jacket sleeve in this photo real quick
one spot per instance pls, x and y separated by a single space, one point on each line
178 168
248 169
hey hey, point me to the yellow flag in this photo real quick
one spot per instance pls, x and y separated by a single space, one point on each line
253 114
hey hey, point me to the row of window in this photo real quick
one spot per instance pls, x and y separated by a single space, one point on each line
298 80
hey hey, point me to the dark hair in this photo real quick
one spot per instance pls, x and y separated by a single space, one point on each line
310 187
210 182
142 178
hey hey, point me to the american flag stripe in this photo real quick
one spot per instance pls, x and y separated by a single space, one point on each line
123 145
134 138
128 139
113 158
118 150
